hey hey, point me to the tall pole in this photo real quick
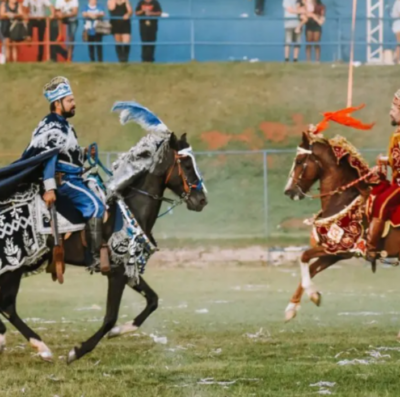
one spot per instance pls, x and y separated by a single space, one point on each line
351 67
266 217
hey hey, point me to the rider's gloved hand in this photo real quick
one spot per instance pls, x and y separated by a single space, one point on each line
382 160
92 153
49 198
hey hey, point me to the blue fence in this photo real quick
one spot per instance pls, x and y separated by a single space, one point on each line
183 39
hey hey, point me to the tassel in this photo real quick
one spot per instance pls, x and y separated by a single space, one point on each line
58 260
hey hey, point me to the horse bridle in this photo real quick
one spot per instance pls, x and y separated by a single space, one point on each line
187 186
339 190
308 153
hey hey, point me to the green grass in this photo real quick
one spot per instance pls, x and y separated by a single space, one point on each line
195 98
285 360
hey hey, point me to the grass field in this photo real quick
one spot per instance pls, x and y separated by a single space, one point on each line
359 319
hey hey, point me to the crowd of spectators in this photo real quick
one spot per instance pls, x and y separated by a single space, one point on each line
18 19
60 18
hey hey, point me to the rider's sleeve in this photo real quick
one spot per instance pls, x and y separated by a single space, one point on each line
49 172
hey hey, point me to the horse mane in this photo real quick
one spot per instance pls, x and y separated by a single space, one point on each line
147 153
341 148
150 153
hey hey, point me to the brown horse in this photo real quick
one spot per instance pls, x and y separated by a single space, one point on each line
316 160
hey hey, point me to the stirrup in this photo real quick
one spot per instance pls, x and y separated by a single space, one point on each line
372 256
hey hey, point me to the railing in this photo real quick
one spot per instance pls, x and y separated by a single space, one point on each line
336 36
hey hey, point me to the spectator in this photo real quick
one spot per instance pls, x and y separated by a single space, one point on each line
11 11
121 10
67 12
315 19
36 11
396 27
56 49
148 27
93 13
260 4
291 23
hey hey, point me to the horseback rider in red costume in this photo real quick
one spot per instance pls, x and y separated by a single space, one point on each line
388 195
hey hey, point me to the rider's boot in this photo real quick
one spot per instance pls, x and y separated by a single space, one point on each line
94 239
375 231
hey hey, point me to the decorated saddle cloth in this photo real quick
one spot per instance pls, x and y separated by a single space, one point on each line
345 231
24 226
342 232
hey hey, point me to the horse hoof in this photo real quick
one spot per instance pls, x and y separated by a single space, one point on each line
316 298
128 328
116 331
291 311
71 356
290 315
46 356
43 351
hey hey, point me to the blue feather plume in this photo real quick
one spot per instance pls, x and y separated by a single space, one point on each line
133 111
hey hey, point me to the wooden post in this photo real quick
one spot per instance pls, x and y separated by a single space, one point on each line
351 67
48 39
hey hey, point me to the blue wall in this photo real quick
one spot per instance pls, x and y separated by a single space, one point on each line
251 29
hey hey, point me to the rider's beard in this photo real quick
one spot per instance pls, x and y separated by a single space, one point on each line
69 114
394 123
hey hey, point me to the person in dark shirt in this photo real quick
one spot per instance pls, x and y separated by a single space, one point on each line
148 27
260 5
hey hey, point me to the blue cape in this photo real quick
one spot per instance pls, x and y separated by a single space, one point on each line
28 169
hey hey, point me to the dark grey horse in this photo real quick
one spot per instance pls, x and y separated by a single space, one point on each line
144 197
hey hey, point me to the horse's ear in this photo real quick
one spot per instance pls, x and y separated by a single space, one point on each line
184 138
305 143
173 142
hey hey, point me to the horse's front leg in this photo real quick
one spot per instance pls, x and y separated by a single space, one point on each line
318 266
306 283
116 286
151 305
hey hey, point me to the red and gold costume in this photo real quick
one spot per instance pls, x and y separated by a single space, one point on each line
388 194
386 197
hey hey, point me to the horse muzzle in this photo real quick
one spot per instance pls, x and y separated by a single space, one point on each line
294 194
197 204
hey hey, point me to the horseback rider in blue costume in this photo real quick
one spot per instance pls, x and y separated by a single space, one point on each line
63 172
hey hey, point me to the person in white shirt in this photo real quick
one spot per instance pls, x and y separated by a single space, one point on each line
396 27
291 14
67 12
36 12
